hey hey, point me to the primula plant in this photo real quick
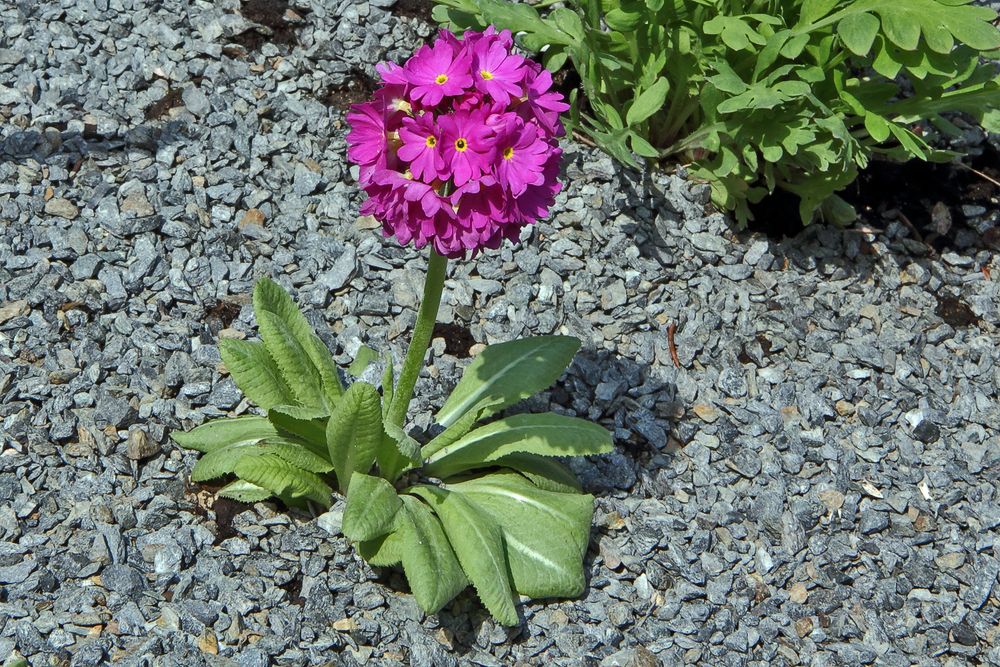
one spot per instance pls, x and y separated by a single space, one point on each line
762 94
456 151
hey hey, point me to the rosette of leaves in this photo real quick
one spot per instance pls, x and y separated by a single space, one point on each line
762 94
489 505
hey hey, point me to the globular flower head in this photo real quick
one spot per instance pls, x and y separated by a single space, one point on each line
458 148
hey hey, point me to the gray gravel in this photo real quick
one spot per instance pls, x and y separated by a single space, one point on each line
814 481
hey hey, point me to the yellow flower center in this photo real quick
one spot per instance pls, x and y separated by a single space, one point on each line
461 144
441 78
408 175
508 153
431 141
486 74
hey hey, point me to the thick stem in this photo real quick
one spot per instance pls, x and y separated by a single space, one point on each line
421 339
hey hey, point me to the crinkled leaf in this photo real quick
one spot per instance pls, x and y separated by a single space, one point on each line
354 432
429 562
372 504
386 550
255 373
506 373
269 296
298 455
244 491
296 367
545 534
478 543
285 480
541 434
224 432
307 424
224 460
399 452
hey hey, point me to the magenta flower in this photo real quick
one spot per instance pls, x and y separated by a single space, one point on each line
438 71
521 156
543 104
498 72
422 147
453 158
468 148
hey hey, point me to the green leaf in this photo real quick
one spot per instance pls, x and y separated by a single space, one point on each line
225 460
540 434
648 102
298 455
813 10
642 147
283 479
546 473
545 534
478 543
224 432
307 424
877 127
388 383
269 296
901 29
429 562
387 550
858 32
255 373
362 360
398 452
296 368
371 508
990 121
506 373
354 432
245 492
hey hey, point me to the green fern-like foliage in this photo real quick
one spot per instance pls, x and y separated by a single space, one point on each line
488 505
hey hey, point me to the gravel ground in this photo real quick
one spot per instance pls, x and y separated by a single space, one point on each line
812 479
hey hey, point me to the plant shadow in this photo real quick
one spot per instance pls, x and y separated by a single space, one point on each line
61 144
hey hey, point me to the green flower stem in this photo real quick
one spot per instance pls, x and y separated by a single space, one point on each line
422 331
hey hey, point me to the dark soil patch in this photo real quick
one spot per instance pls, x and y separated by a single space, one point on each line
294 589
277 23
458 339
416 9
358 88
160 107
954 311
221 315
928 194
225 510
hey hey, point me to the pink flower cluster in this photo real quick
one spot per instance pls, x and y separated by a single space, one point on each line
458 147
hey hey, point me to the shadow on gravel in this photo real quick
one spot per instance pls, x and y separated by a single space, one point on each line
57 144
